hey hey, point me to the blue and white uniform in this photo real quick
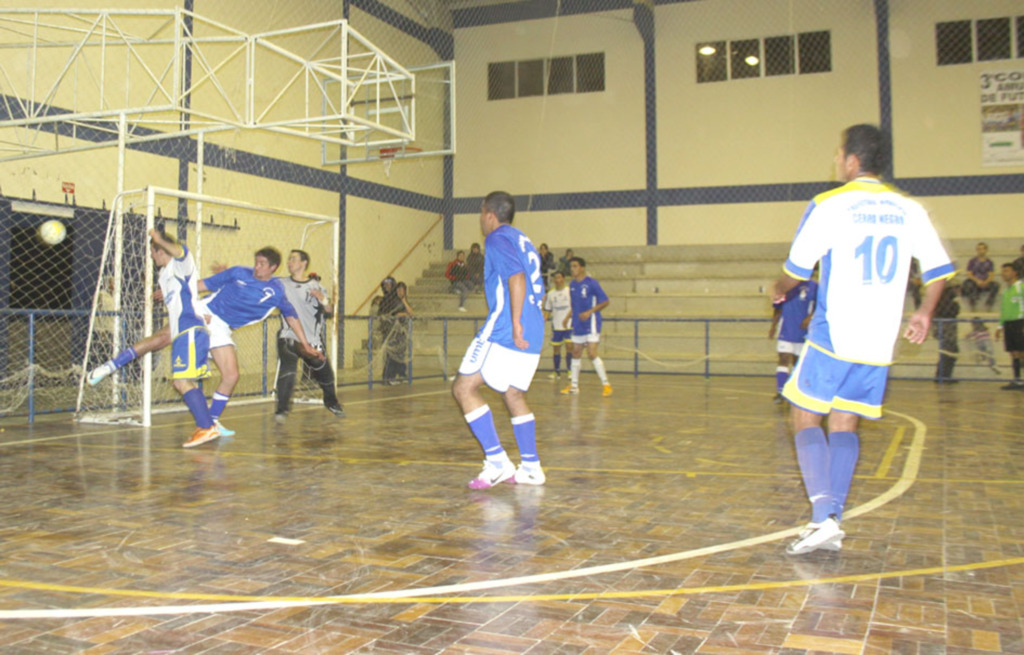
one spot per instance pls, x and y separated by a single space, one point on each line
493 352
191 344
797 305
585 295
238 299
558 303
864 234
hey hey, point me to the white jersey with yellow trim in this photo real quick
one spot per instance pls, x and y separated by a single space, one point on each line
864 234
178 280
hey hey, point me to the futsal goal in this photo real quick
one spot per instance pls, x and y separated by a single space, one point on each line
220 232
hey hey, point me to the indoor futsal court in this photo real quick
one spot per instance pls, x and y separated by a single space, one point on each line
393 191
661 529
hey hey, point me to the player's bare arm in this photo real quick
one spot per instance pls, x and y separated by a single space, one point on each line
921 320
173 249
304 347
516 297
586 314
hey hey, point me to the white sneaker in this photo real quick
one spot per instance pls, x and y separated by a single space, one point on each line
555 376
462 309
493 474
826 535
103 370
533 475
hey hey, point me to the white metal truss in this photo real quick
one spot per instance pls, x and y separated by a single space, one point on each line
66 78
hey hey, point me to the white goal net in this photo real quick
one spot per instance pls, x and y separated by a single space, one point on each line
220 233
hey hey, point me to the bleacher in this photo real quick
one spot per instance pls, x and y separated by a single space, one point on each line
680 309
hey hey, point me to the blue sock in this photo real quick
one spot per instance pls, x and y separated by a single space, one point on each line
558 361
568 361
525 429
812 455
781 375
124 357
217 405
481 422
196 403
843 449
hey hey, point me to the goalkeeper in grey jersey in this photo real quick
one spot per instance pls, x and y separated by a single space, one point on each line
313 307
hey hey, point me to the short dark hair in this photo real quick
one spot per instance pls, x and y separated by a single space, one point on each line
476 246
982 243
501 205
460 252
271 254
1010 265
579 260
303 255
870 145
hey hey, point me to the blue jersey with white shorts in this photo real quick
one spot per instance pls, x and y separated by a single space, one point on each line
797 305
239 299
585 295
510 252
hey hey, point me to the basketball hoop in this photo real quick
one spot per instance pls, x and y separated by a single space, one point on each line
388 155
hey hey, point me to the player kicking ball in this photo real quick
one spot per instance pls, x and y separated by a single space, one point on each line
185 331
506 351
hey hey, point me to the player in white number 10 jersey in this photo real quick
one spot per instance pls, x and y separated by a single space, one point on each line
506 351
864 234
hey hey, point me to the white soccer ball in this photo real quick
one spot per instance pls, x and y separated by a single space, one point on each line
52 232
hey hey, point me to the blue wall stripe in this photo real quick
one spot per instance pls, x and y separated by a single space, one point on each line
514 12
441 41
884 78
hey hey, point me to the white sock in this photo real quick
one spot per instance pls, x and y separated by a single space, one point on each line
599 367
576 371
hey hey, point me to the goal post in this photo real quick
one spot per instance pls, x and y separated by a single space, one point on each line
219 232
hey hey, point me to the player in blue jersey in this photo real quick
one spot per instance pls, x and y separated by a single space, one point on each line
506 351
794 314
186 332
864 235
588 299
242 296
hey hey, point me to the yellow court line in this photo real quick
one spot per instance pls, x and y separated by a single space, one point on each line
890 453
250 603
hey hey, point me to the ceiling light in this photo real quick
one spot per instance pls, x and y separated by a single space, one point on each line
707 50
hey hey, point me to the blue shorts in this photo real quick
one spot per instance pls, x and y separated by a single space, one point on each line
821 382
189 353
558 337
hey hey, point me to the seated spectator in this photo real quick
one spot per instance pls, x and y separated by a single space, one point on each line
458 274
1018 264
981 279
475 262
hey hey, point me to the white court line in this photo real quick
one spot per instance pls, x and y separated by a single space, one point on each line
906 480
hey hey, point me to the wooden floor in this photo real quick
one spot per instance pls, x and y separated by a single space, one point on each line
661 529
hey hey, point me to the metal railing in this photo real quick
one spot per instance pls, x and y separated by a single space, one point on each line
705 347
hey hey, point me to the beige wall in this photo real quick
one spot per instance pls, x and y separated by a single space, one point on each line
551 144
757 131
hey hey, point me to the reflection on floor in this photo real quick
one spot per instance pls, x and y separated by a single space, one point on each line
661 529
